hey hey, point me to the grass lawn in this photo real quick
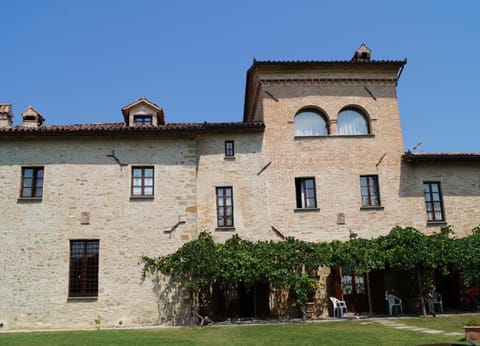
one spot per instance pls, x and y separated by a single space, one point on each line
448 323
359 332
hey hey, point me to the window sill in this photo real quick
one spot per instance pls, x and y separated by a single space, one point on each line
353 136
229 158
436 223
141 198
306 210
225 229
29 199
372 207
82 299
296 138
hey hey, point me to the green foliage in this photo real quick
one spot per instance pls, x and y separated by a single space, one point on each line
97 321
304 288
472 323
286 264
467 257
406 248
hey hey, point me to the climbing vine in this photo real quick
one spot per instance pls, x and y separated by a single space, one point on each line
287 264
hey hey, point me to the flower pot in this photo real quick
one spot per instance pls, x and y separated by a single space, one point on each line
472 334
309 309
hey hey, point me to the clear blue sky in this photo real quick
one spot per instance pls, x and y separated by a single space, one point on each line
81 61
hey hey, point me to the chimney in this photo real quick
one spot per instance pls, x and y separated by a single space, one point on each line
32 118
362 54
6 115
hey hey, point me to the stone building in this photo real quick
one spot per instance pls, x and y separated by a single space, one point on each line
318 156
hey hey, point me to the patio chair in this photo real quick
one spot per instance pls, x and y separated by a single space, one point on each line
338 305
393 302
437 300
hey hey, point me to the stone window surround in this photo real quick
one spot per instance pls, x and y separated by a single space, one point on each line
35 180
229 149
142 186
222 195
331 123
305 194
85 285
435 205
373 199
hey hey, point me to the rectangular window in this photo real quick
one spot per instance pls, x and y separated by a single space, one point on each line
142 120
83 268
32 182
351 282
433 201
142 181
369 190
229 149
305 190
224 206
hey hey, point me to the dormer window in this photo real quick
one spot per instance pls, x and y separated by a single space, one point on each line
142 120
143 113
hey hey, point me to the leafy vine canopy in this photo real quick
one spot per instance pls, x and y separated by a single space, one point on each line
286 264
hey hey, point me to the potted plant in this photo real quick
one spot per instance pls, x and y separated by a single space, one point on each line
472 331
305 288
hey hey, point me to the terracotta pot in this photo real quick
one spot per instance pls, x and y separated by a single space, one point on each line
472 334
309 309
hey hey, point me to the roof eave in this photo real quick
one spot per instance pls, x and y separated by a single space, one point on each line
172 130
412 158
272 65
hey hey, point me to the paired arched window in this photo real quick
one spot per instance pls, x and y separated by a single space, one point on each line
352 122
310 123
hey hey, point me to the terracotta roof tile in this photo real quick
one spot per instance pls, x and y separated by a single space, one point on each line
439 156
121 128
327 62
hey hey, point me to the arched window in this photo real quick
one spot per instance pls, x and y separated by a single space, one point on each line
310 123
352 122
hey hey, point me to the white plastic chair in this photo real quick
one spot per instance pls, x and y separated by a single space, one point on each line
338 305
437 299
393 302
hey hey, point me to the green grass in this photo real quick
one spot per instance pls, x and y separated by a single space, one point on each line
448 323
359 332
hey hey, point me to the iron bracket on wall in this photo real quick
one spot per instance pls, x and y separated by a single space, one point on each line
112 155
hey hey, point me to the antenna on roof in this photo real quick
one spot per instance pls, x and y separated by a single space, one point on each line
416 146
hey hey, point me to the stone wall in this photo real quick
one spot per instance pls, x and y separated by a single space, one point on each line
243 174
80 177
336 162
460 186
92 176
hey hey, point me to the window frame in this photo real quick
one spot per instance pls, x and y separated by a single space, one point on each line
372 178
432 202
141 120
35 180
222 214
356 282
142 186
230 152
319 115
85 285
301 193
360 113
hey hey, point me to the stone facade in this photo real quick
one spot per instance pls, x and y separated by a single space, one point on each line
87 190
80 177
